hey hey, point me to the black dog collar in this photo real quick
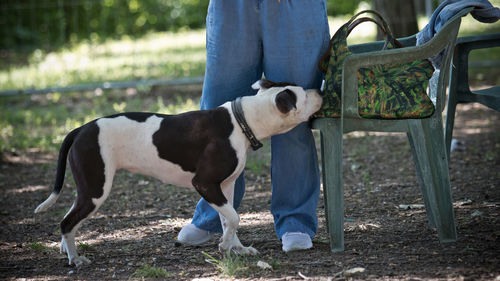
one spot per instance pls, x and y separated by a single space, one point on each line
240 117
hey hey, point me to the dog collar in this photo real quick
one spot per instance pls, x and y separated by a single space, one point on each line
240 118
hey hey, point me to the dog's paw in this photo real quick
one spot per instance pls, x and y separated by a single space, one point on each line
238 249
79 261
246 251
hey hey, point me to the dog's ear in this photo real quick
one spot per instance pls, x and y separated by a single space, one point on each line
261 84
266 84
286 101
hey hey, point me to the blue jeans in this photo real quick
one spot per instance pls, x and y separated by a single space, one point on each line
283 40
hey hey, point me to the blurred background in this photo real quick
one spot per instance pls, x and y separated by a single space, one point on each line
62 43
87 48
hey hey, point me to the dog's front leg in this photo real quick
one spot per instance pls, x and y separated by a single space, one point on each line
215 182
229 217
230 222
230 241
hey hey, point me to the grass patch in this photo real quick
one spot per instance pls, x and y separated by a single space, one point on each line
256 165
85 247
38 247
148 271
275 264
259 162
231 265
42 121
157 55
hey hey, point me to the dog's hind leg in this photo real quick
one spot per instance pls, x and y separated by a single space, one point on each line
81 210
93 184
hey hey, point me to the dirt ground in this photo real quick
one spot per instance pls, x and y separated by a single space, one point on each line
139 222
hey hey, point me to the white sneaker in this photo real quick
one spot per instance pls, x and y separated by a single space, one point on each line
293 241
192 235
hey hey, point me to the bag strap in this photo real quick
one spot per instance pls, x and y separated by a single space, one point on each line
365 19
387 29
377 14
351 24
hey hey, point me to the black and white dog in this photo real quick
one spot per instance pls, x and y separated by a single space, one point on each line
202 149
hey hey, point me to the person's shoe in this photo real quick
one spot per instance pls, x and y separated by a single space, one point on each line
192 235
294 241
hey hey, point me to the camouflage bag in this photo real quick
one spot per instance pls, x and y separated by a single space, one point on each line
390 91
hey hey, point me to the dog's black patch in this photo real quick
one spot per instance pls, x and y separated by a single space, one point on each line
199 143
136 116
87 167
264 83
286 101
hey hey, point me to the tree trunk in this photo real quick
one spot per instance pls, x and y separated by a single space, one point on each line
399 14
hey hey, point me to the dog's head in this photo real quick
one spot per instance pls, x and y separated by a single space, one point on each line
292 102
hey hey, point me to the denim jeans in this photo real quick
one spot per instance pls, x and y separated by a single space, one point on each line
284 40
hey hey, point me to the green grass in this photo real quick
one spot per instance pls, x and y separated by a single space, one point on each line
157 55
38 247
42 121
148 271
230 265
257 165
85 247
259 162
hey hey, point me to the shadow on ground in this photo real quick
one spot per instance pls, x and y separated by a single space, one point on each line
139 222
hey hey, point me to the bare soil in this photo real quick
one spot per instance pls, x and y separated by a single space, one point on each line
139 222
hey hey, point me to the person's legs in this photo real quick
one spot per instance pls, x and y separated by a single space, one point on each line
295 34
234 55
295 182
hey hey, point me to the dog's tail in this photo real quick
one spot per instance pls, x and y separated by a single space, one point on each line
61 170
